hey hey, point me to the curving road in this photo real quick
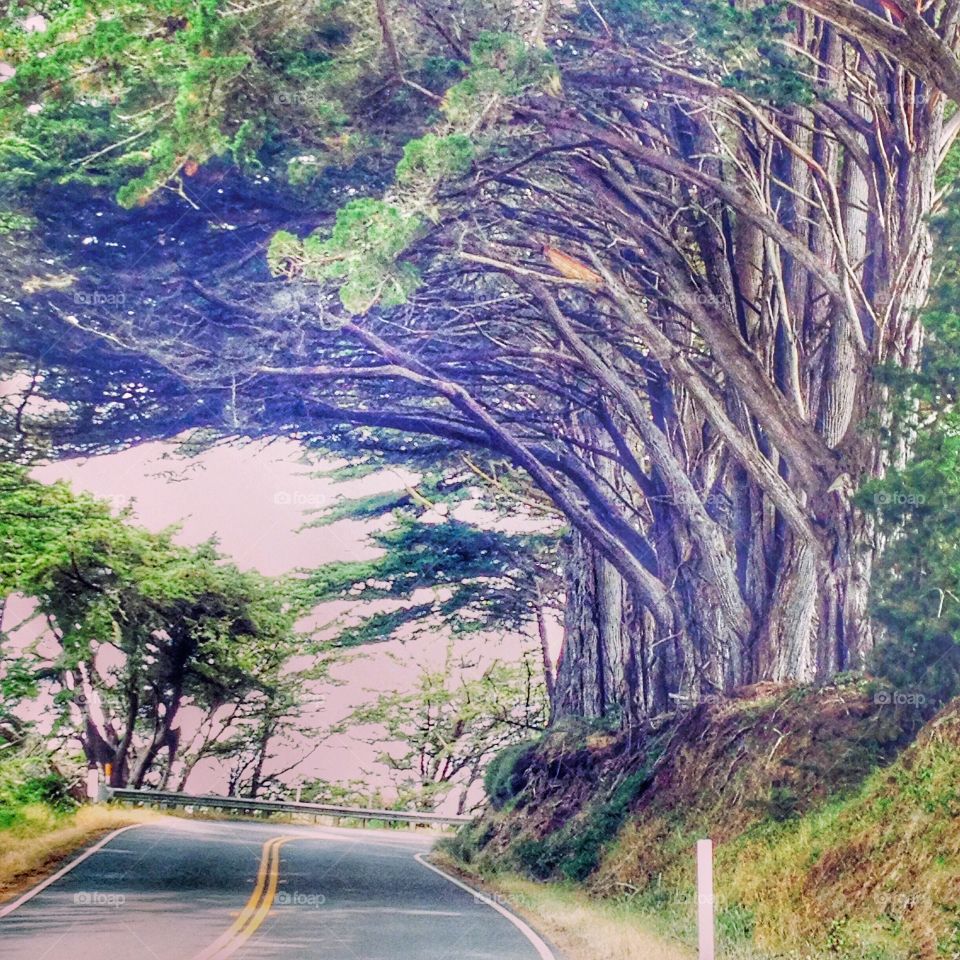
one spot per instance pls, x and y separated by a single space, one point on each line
190 890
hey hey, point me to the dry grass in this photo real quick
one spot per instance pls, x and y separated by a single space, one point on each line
833 837
873 874
32 850
579 927
880 870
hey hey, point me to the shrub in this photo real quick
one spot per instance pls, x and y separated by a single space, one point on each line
466 842
505 776
574 851
27 785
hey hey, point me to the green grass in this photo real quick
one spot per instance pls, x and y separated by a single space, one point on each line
868 876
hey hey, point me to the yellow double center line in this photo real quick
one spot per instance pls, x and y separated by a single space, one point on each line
257 907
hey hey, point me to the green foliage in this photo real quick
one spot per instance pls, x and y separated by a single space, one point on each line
481 578
440 735
434 158
438 573
285 253
741 44
356 469
352 793
185 623
441 70
363 508
383 626
505 776
27 780
18 683
735 924
466 842
366 224
501 65
11 222
137 94
362 252
783 803
574 851
916 586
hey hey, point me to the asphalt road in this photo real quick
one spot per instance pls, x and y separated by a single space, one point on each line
192 890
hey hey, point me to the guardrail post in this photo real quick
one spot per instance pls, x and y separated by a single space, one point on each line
705 917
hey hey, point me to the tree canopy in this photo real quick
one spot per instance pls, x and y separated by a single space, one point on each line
917 584
649 255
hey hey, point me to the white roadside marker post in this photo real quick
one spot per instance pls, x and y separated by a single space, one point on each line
705 921
93 784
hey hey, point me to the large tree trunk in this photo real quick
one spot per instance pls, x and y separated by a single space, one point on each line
606 669
805 579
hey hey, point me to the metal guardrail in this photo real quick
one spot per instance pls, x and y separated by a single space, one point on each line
170 799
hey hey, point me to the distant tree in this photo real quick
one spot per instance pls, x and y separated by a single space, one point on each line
476 574
17 684
356 792
143 625
437 738
275 740
247 735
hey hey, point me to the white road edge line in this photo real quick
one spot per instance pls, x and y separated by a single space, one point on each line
63 871
543 951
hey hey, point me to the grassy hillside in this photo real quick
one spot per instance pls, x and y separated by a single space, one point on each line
836 817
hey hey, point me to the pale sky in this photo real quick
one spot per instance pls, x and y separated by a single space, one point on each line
254 497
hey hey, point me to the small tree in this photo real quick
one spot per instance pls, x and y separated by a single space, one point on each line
438 738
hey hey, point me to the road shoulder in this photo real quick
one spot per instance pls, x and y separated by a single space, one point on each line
576 926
